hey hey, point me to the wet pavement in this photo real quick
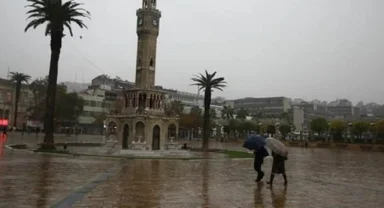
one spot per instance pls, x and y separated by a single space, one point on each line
317 178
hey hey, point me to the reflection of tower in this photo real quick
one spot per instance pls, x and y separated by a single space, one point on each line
142 123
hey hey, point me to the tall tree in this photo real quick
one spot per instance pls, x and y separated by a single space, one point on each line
319 125
213 114
271 129
38 88
285 129
242 113
359 128
338 127
174 107
68 108
57 16
18 78
227 112
208 83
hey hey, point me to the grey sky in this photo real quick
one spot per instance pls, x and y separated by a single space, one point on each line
323 49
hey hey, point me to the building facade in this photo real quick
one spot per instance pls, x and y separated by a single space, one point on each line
271 107
98 102
7 103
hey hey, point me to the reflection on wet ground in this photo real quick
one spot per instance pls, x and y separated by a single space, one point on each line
317 178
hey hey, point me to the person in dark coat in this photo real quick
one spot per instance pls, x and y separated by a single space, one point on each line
278 167
5 131
260 154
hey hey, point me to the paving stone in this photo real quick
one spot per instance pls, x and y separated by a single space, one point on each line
317 178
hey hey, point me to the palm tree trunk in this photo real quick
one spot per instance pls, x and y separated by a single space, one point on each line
18 88
56 39
206 124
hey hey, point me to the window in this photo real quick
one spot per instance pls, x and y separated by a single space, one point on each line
151 63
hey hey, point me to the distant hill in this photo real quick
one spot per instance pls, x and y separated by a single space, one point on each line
76 87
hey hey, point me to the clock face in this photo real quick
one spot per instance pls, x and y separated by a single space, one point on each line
140 22
155 22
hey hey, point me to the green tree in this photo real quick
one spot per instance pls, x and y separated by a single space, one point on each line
213 114
359 128
68 108
57 16
191 120
208 83
18 78
233 125
271 129
285 129
319 125
377 129
338 127
227 112
284 117
99 120
242 113
174 107
37 110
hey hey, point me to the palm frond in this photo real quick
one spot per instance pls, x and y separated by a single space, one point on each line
48 29
208 81
35 23
56 15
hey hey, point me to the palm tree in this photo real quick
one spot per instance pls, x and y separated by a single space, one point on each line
208 83
242 113
19 78
227 112
57 16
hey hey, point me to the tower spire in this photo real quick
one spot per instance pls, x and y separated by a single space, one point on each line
148 19
149 4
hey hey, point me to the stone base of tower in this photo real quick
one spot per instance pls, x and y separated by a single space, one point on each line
144 132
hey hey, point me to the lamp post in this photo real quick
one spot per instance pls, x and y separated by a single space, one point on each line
349 134
373 131
329 133
301 131
277 132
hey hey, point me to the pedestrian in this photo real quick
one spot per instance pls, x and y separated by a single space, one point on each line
278 167
260 154
5 131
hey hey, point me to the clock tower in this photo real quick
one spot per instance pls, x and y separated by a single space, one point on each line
148 20
143 123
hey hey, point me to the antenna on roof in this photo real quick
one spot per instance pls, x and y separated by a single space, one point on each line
8 73
75 77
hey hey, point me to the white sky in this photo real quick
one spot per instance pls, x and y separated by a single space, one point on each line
323 49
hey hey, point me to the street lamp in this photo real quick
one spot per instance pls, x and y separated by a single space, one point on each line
329 131
350 131
301 131
372 129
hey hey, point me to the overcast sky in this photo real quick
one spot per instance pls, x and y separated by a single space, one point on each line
308 49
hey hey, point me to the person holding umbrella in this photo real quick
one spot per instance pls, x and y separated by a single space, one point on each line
256 143
280 155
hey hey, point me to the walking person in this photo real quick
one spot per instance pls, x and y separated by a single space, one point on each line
5 131
278 167
260 154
